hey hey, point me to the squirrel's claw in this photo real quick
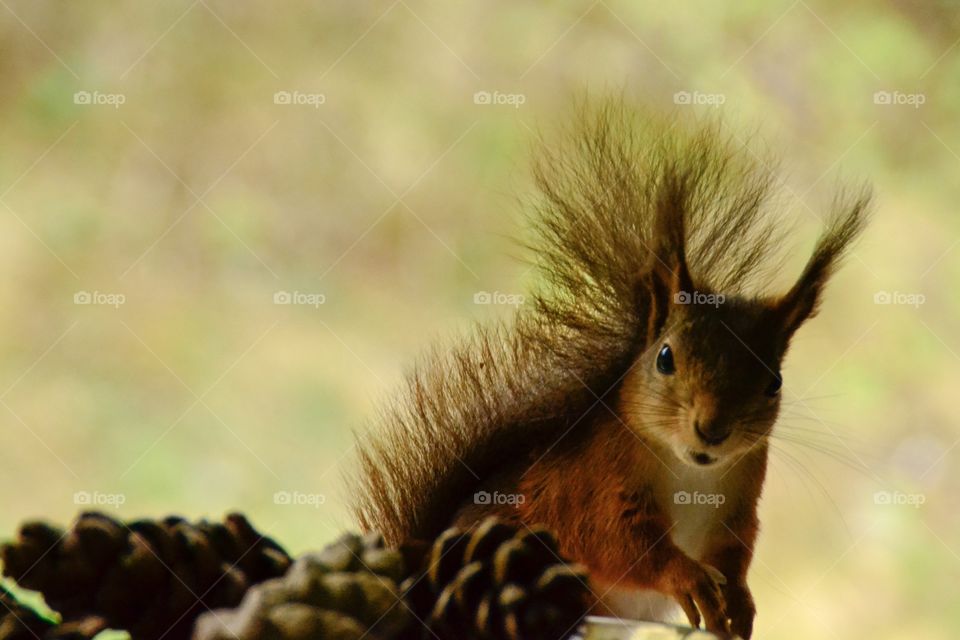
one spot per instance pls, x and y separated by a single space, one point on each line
710 600
741 610
689 608
699 590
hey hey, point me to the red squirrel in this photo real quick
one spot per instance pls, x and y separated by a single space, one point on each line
628 403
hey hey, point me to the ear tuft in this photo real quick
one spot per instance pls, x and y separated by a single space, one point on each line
669 256
667 274
803 300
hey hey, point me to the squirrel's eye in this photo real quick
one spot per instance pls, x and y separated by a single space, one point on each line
665 360
774 387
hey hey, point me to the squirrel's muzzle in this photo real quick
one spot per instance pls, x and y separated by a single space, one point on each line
712 433
708 422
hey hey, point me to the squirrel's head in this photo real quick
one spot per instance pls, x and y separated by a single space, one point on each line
706 384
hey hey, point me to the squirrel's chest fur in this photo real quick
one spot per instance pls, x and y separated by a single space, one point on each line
696 501
597 496
616 501
595 493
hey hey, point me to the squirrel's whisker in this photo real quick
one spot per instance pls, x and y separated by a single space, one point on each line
645 336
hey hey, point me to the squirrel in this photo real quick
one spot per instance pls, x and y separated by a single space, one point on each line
628 403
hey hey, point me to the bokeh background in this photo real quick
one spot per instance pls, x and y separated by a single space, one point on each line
183 166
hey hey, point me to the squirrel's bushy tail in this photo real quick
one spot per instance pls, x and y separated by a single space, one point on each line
510 387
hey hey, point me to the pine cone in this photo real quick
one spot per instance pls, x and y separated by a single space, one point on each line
496 581
347 591
151 578
20 622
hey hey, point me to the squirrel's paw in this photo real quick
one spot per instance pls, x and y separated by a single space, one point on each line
740 610
699 590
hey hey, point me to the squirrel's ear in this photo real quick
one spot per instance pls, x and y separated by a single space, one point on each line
666 275
668 261
803 300
653 304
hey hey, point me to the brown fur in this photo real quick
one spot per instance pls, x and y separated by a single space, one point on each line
564 406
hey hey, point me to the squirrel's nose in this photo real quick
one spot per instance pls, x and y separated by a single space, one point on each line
712 434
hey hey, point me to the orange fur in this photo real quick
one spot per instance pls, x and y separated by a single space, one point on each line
612 395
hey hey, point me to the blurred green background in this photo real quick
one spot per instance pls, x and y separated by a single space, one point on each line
150 166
